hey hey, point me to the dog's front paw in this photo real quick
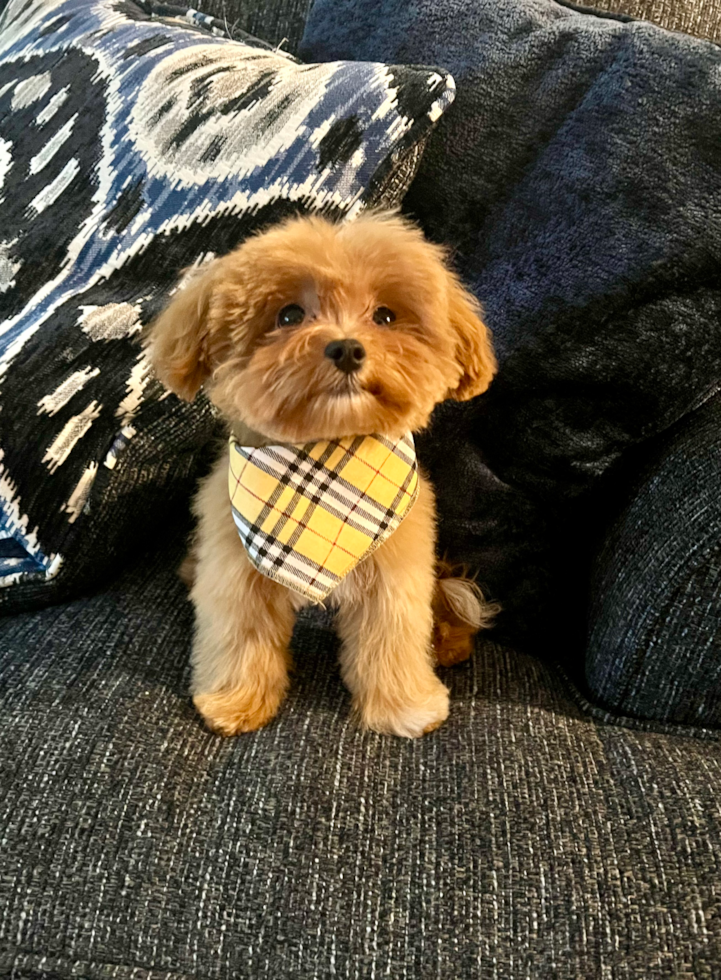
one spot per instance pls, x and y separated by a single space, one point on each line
405 718
241 710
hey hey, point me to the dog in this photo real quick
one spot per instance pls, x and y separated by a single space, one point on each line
315 333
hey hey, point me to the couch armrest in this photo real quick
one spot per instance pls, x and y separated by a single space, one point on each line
654 641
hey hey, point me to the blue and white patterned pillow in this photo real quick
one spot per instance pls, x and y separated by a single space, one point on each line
132 146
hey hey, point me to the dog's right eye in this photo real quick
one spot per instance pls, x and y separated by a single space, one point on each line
291 316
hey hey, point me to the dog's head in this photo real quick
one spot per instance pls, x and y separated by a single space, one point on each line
314 330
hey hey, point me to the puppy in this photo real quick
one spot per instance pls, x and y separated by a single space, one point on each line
315 334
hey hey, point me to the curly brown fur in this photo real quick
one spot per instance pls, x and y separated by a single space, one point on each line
276 383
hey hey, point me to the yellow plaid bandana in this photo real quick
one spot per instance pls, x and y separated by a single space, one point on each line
308 514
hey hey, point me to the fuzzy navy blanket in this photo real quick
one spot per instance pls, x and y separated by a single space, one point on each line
578 179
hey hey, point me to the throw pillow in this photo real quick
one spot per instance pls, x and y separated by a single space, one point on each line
136 140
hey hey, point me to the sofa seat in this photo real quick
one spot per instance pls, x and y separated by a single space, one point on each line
524 838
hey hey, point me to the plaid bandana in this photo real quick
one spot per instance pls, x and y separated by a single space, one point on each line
308 514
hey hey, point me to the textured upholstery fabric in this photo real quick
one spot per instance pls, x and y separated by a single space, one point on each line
520 840
654 648
578 178
699 17
137 140
286 18
277 22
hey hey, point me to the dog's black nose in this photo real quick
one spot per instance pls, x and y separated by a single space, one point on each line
347 355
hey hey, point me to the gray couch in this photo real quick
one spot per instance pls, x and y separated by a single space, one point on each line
535 835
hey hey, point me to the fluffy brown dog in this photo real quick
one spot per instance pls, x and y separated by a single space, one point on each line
316 331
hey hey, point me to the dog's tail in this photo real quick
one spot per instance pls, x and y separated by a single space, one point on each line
459 612
189 566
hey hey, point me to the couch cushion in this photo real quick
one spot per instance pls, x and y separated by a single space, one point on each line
134 143
578 177
654 645
520 839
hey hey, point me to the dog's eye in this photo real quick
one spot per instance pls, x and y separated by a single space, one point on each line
291 316
383 316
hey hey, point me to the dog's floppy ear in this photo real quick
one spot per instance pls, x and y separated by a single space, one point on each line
474 350
179 340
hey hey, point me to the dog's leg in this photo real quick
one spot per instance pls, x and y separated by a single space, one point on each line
244 623
385 621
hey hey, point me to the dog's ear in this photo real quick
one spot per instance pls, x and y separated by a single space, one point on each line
179 341
474 349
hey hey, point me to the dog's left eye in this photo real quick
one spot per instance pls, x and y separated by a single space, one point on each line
383 316
291 316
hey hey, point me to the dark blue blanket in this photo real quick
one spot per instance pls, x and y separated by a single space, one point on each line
578 177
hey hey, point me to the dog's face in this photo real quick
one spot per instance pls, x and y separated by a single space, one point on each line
314 330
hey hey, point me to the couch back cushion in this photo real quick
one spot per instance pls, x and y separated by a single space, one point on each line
578 178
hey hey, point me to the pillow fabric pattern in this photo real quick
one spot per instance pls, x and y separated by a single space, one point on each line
578 179
134 142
